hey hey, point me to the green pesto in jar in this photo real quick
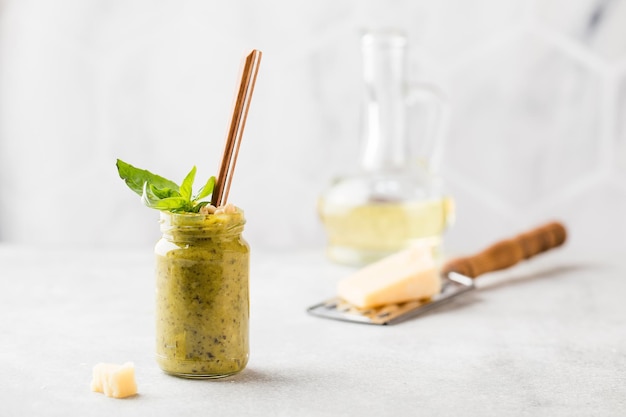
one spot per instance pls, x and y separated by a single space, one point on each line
202 306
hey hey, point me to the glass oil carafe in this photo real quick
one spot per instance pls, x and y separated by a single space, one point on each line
394 199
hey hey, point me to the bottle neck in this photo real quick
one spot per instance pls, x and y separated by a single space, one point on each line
384 136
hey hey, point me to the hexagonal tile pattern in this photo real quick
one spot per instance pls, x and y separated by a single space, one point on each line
526 122
447 29
152 80
596 24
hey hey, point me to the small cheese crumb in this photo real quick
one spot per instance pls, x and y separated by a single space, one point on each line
227 209
114 380
208 209
407 275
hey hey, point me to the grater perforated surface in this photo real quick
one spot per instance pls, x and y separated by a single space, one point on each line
453 284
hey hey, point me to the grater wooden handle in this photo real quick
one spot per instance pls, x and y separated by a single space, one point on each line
507 253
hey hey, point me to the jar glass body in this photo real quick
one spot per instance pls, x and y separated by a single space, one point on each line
202 295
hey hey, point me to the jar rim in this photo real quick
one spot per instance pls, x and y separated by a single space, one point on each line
191 223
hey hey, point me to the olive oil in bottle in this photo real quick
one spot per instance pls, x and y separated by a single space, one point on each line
364 233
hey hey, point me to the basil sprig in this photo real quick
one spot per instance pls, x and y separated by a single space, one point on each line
162 194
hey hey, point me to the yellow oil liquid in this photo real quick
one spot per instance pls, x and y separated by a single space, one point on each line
361 234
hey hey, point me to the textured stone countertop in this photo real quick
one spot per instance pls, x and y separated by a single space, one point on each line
547 337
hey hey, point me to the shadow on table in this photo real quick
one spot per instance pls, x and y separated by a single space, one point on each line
511 279
255 376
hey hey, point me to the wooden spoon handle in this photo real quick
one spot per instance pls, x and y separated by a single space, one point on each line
247 79
507 253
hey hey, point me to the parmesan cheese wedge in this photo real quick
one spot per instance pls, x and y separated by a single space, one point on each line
113 380
407 275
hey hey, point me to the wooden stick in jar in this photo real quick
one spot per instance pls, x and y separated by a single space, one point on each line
250 68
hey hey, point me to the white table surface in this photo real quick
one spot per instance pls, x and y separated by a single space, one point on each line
544 338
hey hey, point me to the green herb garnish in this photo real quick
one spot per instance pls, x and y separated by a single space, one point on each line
162 194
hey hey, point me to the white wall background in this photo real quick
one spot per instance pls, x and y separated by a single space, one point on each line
538 93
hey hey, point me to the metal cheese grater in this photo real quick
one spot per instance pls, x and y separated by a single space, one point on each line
457 278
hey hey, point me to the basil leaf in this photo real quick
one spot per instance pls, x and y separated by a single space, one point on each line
171 204
150 199
135 178
197 207
206 190
165 192
187 184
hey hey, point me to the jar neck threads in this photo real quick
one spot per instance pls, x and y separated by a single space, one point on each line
192 226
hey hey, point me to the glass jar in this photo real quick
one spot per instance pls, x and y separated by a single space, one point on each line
395 197
202 295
